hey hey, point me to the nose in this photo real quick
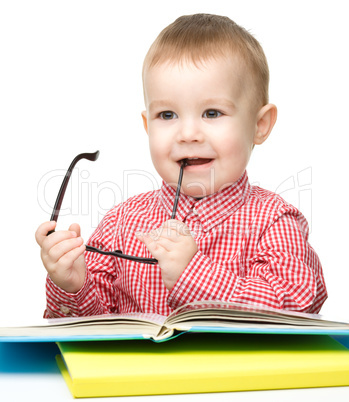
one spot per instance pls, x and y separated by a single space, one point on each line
190 131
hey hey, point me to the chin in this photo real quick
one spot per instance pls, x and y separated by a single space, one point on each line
196 191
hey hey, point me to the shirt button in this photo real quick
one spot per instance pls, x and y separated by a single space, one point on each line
195 212
65 309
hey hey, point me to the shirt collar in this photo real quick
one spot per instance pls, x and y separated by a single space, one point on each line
211 210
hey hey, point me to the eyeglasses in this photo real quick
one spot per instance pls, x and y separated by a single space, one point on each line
117 253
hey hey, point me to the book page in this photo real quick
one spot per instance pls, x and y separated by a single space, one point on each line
231 313
131 323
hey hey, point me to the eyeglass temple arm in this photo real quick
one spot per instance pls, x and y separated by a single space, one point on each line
120 254
89 156
183 164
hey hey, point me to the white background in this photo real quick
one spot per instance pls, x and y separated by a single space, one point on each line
70 82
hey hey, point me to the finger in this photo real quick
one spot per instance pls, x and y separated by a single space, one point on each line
174 225
153 235
62 248
55 238
165 243
148 241
68 259
74 227
157 247
169 234
43 229
145 238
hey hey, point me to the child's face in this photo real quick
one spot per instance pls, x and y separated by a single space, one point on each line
202 114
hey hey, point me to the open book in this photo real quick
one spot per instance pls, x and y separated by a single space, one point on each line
204 316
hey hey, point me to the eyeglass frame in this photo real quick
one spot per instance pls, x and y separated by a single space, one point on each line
116 253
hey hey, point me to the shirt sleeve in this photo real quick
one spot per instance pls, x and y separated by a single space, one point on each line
284 272
97 296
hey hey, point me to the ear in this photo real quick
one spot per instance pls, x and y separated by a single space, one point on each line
266 119
145 120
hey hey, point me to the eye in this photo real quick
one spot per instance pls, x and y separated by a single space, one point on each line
167 115
212 114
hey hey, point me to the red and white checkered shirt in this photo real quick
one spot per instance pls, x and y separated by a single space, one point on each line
252 248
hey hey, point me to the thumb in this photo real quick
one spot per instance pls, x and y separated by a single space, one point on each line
75 227
146 240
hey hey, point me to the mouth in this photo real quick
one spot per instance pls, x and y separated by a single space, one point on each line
195 161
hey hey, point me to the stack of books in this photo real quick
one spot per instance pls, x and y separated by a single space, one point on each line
213 347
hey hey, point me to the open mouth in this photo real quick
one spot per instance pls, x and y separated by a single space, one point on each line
195 161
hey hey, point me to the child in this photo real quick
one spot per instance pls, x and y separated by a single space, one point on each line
206 97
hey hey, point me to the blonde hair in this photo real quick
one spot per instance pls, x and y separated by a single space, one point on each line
199 37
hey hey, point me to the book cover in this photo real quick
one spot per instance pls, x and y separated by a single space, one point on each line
200 363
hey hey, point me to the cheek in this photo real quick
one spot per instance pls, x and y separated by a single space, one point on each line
157 148
235 147
159 151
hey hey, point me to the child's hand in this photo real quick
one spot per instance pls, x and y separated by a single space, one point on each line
62 255
173 246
